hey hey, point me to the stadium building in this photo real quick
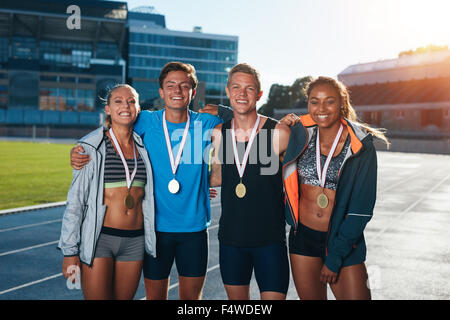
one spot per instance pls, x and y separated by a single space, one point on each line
59 57
152 45
409 96
56 61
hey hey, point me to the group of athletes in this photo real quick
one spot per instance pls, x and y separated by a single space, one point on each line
140 195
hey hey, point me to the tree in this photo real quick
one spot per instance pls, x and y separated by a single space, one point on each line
286 97
420 50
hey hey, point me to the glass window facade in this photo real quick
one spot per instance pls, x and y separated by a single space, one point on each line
85 100
23 88
148 91
4 49
64 99
24 48
212 59
3 96
107 50
61 53
187 53
46 66
156 62
183 41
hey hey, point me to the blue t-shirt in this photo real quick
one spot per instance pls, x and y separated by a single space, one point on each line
189 209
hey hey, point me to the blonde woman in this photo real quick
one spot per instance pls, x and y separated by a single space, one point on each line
109 219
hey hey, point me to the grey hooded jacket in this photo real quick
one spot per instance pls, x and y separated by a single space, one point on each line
85 211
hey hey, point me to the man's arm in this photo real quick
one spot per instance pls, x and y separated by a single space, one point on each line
216 171
223 112
77 159
281 140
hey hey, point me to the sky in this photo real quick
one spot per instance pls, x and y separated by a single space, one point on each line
289 39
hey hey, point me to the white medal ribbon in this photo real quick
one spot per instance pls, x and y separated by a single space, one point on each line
174 163
323 174
127 171
241 167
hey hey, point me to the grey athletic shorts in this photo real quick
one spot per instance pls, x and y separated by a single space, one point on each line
121 245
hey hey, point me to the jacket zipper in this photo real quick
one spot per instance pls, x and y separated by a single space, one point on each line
290 162
96 211
337 186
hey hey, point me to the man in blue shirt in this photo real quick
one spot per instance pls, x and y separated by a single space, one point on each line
178 142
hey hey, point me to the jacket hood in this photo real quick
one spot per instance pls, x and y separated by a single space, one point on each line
95 138
357 132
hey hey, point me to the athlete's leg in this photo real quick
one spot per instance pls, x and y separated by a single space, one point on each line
157 270
272 295
191 288
236 267
128 267
238 292
156 289
97 280
126 279
306 274
271 265
192 261
352 283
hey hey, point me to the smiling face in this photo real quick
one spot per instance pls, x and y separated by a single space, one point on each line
242 91
324 105
123 106
177 91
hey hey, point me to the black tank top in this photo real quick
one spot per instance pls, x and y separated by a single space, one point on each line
258 218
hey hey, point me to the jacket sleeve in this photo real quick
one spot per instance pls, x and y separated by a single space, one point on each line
76 206
360 210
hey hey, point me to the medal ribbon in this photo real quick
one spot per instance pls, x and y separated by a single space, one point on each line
174 163
127 171
323 174
241 167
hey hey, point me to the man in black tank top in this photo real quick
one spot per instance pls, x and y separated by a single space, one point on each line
248 152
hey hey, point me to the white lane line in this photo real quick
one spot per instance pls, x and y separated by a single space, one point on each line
28 248
214 205
31 283
47 243
399 183
54 242
30 225
404 212
32 208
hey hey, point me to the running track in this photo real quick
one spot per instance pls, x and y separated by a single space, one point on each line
408 240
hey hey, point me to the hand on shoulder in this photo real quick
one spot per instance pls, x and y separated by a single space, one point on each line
281 139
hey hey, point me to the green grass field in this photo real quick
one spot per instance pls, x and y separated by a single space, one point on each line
33 173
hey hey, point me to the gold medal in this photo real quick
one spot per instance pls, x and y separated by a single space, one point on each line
322 201
241 190
129 201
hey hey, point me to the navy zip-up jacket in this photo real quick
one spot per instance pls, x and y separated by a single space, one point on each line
355 193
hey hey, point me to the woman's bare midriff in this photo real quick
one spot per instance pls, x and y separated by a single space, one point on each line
117 215
310 214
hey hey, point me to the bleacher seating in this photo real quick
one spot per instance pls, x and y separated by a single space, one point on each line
2 115
413 91
26 116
